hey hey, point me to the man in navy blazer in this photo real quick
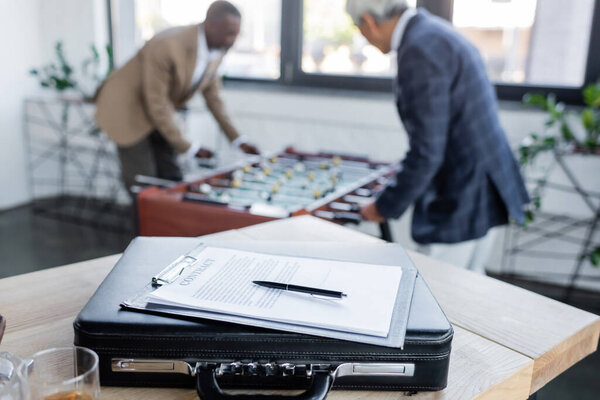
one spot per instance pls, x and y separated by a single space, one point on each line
459 173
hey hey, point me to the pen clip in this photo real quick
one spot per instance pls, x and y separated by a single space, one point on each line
173 270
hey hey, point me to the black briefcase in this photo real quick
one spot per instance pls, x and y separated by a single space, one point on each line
139 349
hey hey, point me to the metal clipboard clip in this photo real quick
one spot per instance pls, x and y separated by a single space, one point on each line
175 269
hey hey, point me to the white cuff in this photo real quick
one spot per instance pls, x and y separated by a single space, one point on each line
240 140
191 152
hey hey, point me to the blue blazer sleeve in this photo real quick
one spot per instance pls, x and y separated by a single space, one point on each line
423 100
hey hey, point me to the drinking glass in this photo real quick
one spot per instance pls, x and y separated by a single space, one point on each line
10 383
67 373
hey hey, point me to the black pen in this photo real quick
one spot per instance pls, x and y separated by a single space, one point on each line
301 289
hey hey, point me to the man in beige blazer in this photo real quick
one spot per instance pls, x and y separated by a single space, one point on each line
136 105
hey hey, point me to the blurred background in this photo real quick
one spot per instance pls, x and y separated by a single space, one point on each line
300 74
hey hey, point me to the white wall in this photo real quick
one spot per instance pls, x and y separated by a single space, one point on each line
21 44
30 29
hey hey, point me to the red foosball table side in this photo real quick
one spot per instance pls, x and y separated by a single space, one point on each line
164 213
171 212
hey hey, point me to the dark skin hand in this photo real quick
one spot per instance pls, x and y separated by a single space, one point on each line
249 148
204 153
245 147
370 213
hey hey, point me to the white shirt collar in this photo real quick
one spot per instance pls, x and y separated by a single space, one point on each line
204 56
202 44
401 27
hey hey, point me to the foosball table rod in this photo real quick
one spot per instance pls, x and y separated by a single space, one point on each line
339 216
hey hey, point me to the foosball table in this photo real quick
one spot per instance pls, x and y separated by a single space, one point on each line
290 183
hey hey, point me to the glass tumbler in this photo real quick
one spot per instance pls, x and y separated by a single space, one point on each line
67 373
10 382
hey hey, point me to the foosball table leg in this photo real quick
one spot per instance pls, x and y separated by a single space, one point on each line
386 232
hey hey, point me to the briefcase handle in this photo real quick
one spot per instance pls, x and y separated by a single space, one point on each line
208 388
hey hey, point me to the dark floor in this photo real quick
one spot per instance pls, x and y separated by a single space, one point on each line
30 242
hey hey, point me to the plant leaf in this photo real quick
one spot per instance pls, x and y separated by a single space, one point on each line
549 142
95 52
591 142
556 110
591 95
529 218
551 101
566 131
595 257
524 152
535 100
588 118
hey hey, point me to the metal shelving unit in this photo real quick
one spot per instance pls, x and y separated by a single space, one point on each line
74 171
577 233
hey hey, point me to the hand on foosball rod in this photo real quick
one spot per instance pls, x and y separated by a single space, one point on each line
204 153
370 213
249 148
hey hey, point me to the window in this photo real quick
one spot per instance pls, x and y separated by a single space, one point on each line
332 44
538 42
527 45
256 51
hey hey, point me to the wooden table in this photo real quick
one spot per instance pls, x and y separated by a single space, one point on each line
508 343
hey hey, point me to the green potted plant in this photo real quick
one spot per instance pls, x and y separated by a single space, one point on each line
563 138
60 76
560 137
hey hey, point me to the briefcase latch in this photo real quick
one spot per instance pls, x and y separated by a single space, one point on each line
155 366
375 369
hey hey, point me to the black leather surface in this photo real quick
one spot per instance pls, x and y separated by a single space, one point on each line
113 332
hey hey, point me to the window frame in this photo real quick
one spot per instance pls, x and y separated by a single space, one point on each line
515 92
291 74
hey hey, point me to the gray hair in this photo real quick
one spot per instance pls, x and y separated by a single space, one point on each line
380 10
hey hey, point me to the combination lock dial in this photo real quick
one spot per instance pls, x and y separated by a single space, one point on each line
268 369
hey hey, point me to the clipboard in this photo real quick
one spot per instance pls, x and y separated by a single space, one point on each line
177 267
397 332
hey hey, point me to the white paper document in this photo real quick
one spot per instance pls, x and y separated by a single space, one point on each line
221 282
